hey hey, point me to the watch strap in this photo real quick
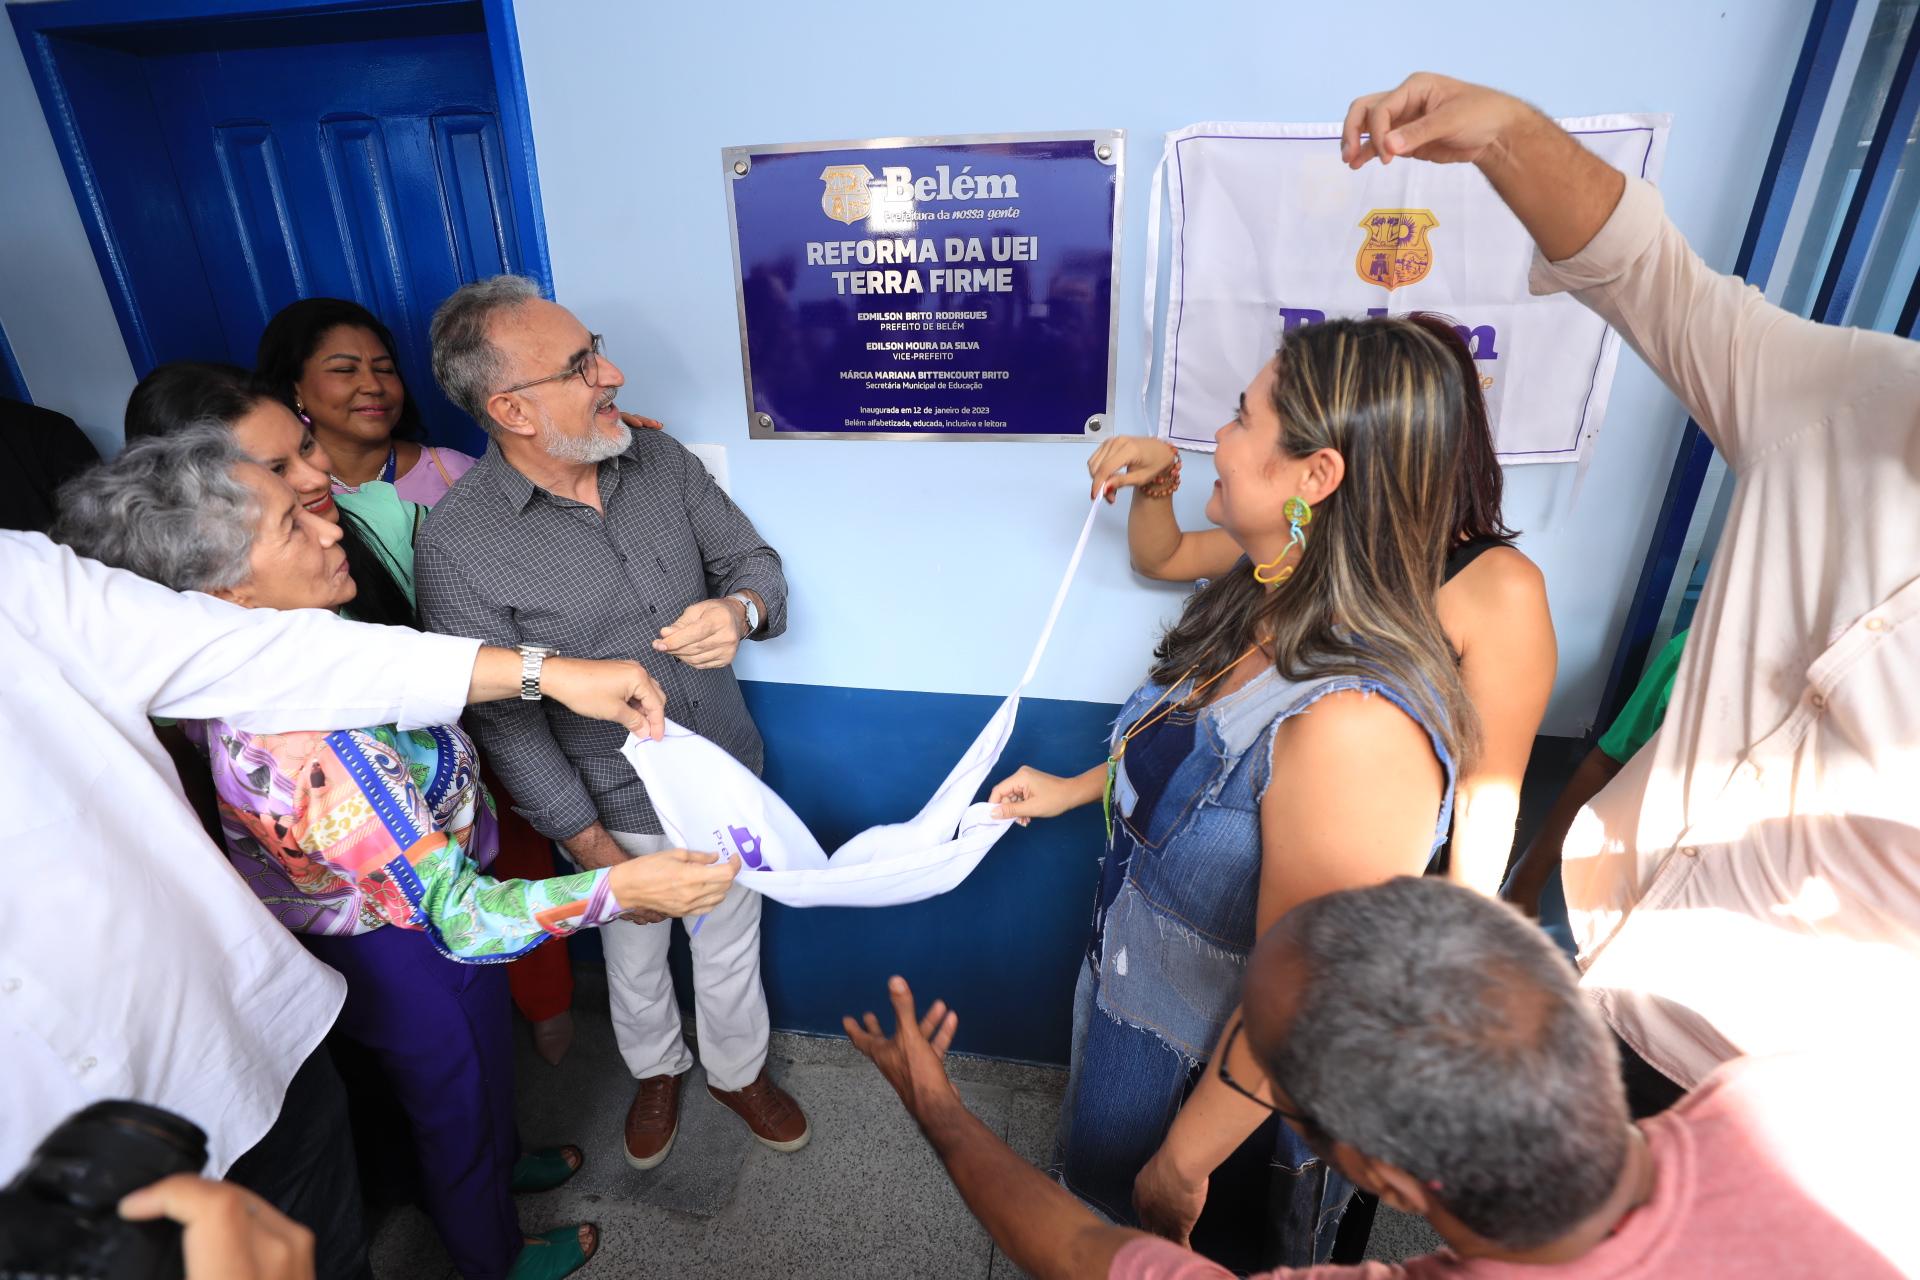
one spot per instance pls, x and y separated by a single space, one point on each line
533 658
753 612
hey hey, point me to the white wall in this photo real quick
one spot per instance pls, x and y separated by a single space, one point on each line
53 304
929 565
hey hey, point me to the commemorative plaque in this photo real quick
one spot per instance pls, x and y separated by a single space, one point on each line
928 288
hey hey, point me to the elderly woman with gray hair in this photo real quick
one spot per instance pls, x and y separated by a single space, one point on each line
371 843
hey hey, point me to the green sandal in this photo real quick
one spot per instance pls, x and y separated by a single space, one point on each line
553 1254
545 1169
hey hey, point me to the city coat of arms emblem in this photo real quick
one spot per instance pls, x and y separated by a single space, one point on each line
1396 253
846 198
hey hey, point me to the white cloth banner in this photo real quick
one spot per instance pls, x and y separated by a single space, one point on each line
1271 230
708 800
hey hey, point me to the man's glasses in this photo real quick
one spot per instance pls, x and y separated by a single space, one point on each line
1226 1078
587 367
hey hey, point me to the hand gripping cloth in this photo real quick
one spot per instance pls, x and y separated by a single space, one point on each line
708 800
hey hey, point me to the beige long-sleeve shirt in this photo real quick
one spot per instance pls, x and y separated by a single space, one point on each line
1750 882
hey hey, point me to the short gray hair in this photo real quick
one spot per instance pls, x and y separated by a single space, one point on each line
1442 1032
168 508
466 363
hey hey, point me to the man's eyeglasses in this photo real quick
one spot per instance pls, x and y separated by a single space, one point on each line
1226 1078
587 367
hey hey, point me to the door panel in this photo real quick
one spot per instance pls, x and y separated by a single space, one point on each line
371 241
368 169
466 148
148 251
256 189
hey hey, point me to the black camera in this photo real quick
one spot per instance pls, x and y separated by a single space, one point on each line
59 1219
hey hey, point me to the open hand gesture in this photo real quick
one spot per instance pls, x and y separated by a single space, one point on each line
912 1060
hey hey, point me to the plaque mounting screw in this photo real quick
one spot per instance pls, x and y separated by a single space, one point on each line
1104 151
740 167
764 421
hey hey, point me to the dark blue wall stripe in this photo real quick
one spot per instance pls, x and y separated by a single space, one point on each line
1004 948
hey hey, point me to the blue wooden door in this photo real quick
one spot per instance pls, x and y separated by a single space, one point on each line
368 169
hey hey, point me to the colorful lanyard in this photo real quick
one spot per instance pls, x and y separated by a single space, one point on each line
393 463
1148 720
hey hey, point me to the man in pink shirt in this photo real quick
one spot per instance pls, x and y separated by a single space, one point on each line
1435 1046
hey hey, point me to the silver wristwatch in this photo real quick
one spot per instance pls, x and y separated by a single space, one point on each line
532 658
753 611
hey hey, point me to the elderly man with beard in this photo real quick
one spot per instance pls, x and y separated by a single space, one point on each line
575 536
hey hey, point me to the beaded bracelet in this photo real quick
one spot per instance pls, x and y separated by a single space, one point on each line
1163 485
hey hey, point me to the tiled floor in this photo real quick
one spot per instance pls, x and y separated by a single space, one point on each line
865 1200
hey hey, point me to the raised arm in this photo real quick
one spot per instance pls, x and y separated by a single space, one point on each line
141 649
1047 1233
1750 373
1561 192
1156 545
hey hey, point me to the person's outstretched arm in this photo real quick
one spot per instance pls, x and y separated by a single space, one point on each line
1751 373
143 649
1156 545
1027 793
622 692
1561 192
1035 1221
346 801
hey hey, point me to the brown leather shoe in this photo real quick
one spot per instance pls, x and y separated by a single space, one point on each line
652 1120
770 1111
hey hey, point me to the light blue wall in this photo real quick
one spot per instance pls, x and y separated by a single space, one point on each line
928 566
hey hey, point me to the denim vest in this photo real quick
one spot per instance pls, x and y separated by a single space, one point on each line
1180 888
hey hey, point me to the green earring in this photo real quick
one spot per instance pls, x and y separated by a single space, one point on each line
1299 515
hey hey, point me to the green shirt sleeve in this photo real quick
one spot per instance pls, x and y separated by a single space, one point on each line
477 917
1641 717
392 521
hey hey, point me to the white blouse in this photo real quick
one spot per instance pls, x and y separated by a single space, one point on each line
134 962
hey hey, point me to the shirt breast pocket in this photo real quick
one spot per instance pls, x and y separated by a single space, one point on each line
1866 690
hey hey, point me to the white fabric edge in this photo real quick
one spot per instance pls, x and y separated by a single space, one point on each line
1660 122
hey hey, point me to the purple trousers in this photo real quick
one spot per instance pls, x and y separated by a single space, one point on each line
444 1035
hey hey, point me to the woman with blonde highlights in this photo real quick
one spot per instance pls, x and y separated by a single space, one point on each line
1299 733
1492 601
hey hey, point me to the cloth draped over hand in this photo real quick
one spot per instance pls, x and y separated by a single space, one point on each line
708 800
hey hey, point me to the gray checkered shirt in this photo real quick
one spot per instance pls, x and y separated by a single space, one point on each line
506 562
